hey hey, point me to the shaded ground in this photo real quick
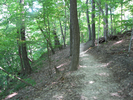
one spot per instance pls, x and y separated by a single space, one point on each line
105 73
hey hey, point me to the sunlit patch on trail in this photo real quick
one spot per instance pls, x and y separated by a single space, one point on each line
115 94
59 97
82 66
83 97
89 82
103 74
105 65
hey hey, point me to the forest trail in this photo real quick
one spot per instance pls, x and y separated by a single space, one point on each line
105 73
92 81
99 83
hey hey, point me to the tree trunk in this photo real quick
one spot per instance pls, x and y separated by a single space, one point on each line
88 20
82 37
56 40
26 64
121 13
98 30
106 33
104 20
70 37
76 35
47 30
23 50
20 55
50 45
65 24
111 21
130 39
70 27
48 35
62 34
93 23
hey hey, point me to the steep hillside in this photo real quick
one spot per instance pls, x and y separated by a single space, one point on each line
105 73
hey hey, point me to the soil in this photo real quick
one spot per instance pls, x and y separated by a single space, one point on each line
105 73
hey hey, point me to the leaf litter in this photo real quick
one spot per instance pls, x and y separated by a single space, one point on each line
104 73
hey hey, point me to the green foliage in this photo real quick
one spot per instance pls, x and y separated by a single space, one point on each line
8 84
46 14
21 85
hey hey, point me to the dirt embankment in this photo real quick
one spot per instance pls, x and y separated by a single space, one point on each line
105 73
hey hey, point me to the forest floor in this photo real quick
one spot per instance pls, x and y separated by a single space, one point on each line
105 73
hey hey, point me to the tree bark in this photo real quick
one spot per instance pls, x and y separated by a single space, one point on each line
98 29
93 23
26 68
20 55
47 30
26 64
65 25
106 33
56 40
70 37
130 39
50 45
111 21
121 13
76 35
104 20
62 34
88 20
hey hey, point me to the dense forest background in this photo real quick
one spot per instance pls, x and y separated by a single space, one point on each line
29 29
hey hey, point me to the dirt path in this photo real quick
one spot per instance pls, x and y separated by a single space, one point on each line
92 81
99 82
104 74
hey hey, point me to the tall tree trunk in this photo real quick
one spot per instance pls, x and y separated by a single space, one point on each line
88 20
65 24
48 34
76 35
98 29
49 39
62 34
47 30
50 45
23 50
104 20
106 35
82 37
130 39
20 55
71 37
93 23
121 13
114 25
56 40
25 59
70 27
111 21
